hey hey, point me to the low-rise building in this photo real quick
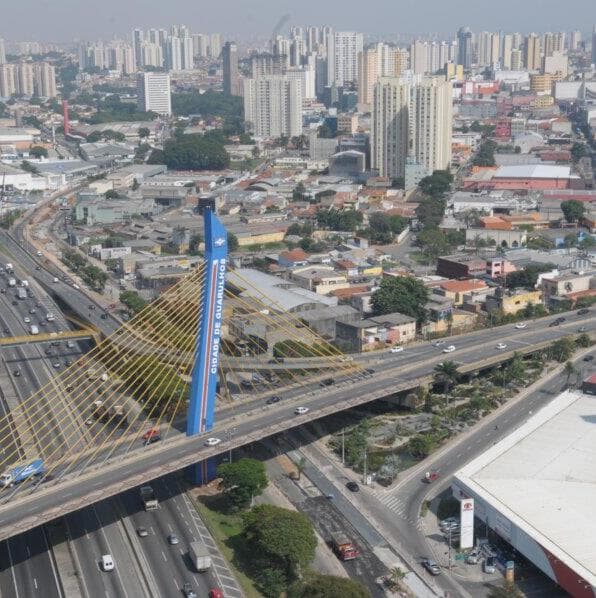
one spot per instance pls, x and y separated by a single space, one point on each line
376 332
321 279
324 320
511 302
457 289
557 288
460 266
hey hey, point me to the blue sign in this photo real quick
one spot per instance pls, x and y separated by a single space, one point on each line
201 410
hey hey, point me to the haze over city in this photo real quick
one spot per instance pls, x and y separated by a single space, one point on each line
65 20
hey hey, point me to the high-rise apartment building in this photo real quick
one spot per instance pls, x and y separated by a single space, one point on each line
553 42
152 55
215 45
419 57
8 83
488 48
231 85
574 40
273 106
390 127
507 47
517 61
411 121
532 52
174 54
343 48
2 52
594 45
137 45
25 79
187 53
154 93
45 80
377 61
431 122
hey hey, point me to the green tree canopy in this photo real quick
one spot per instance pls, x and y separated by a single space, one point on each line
505 590
573 210
437 184
233 242
194 152
447 374
430 211
527 277
579 151
144 132
562 349
329 586
343 220
284 539
133 301
404 294
486 154
242 481
37 151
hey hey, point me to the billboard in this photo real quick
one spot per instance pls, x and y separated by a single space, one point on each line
466 514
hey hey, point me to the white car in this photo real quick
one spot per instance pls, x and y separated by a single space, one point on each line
75 286
301 410
449 349
27 320
397 349
212 441
501 346
521 325
107 562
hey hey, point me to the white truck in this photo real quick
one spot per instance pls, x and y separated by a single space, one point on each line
25 283
199 555
9 268
12 282
148 497
22 293
34 329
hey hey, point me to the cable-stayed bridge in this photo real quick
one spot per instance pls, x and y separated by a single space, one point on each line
177 368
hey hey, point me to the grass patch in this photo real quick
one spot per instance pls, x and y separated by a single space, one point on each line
226 530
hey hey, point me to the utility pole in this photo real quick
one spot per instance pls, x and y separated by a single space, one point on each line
343 446
449 549
364 469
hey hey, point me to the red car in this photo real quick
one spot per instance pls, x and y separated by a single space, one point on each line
151 436
216 593
431 476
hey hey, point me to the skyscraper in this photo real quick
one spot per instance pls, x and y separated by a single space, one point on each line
574 40
230 69
506 51
594 45
389 127
154 93
419 58
2 52
137 45
464 44
174 54
273 106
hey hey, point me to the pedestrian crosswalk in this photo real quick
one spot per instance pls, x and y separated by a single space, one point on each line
395 504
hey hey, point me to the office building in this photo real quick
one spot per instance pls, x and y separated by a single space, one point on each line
389 127
231 82
343 48
273 106
556 64
154 93
464 44
45 80
532 52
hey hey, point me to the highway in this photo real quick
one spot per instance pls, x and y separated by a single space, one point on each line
255 420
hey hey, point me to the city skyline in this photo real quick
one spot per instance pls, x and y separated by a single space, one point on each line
30 21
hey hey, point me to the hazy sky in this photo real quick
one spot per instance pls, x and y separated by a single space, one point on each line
65 20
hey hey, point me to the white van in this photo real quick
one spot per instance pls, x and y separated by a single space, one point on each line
107 563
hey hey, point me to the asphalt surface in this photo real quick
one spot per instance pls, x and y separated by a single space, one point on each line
255 420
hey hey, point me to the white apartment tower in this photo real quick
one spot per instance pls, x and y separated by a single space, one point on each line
411 120
154 93
273 106
431 123
45 80
2 52
343 48
389 127
8 85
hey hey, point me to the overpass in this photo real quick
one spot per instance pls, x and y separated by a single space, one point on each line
27 339
101 406
122 469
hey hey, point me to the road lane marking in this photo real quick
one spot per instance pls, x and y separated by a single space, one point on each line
165 558
35 582
28 551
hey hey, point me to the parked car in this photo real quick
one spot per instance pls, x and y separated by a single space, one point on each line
431 566
589 358
473 558
583 311
490 564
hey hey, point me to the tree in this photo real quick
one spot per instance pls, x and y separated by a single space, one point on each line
233 242
144 132
578 151
516 369
506 590
299 192
437 184
562 349
569 370
37 151
157 157
584 341
421 445
379 231
300 466
430 211
242 481
446 374
404 294
133 301
486 154
397 575
272 582
28 167
283 539
527 277
111 194
94 137
329 586
194 152
573 210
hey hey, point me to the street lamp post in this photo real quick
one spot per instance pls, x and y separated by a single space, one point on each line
230 434
343 446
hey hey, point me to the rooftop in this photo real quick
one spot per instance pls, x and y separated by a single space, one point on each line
533 171
542 477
